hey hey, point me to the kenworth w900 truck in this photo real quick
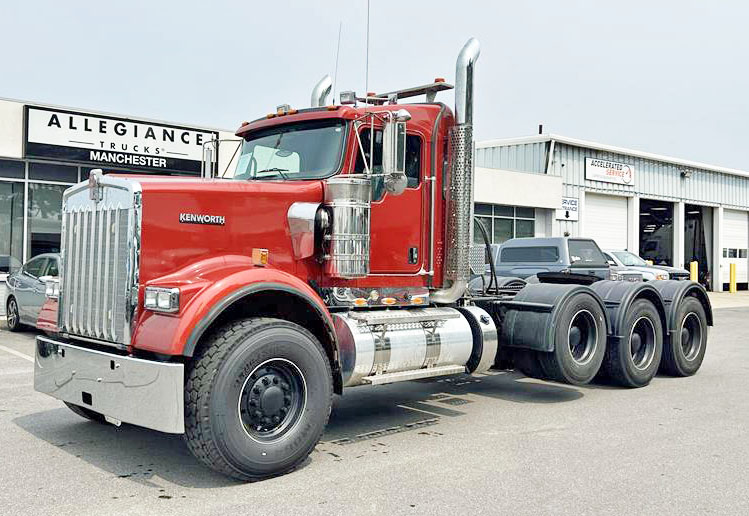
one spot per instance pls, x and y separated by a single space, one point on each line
231 310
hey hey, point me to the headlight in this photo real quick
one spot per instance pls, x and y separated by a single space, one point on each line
160 299
661 275
52 289
615 276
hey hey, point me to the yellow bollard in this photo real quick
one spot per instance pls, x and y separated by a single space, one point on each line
732 279
693 270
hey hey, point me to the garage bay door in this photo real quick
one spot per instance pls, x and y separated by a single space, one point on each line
735 244
606 220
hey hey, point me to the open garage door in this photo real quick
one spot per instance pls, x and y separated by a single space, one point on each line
606 219
735 244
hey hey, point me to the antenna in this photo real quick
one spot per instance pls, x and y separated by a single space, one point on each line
337 53
366 74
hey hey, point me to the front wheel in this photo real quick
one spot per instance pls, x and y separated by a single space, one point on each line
257 398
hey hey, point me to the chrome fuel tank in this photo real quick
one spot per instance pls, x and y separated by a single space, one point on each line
379 342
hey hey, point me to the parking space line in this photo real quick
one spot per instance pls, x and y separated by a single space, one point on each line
17 353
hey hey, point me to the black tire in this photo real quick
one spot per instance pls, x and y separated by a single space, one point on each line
12 316
242 426
527 362
579 342
684 352
634 361
86 413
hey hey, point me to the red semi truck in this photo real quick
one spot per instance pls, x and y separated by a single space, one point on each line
231 310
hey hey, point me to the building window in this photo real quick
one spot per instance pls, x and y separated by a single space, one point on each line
52 172
504 222
13 169
45 218
11 226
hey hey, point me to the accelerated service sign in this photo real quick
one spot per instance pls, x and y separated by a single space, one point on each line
609 171
113 142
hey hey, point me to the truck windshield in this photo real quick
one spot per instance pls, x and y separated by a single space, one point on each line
306 150
629 259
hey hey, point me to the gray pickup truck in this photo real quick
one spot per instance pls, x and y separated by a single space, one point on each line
525 257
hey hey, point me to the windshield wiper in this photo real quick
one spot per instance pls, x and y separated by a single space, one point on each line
280 172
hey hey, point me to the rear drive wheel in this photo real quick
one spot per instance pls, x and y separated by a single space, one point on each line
685 350
579 342
12 317
634 360
86 413
257 398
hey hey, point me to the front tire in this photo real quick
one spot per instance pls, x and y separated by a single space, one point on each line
685 350
257 398
12 316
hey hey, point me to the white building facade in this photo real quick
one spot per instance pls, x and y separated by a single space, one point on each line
665 209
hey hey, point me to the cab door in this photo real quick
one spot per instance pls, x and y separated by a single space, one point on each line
397 221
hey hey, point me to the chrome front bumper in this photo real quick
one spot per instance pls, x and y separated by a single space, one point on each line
131 390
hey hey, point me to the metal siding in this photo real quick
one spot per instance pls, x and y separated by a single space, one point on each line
653 179
527 157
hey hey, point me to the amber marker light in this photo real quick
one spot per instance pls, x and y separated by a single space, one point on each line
260 257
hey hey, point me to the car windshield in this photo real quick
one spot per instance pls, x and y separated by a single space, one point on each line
307 150
629 259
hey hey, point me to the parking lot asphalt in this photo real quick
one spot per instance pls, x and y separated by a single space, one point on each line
497 444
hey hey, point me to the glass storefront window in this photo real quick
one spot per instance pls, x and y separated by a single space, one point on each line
504 222
11 226
12 169
53 172
44 218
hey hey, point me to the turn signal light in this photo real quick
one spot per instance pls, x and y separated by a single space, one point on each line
388 301
260 257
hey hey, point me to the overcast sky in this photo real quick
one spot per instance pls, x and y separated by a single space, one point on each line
670 77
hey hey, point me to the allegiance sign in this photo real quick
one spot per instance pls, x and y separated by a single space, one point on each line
609 171
111 142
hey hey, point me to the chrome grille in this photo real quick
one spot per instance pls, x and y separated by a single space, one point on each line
100 260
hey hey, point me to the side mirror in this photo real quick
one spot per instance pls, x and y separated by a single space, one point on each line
394 152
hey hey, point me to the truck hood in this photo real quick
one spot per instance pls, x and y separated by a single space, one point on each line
189 220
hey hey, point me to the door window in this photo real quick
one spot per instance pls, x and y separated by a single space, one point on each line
52 268
35 267
585 252
413 161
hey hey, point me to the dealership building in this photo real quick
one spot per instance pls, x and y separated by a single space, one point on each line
668 210
45 149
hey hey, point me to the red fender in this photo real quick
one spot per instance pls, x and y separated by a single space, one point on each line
207 288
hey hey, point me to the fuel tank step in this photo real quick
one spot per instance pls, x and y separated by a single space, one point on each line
416 374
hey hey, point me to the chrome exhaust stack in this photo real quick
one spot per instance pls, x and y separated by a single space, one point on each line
321 91
459 213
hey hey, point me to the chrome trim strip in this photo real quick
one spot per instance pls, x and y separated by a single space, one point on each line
116 228
97 318
90 271
105 284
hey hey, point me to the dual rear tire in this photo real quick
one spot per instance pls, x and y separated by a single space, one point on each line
579 345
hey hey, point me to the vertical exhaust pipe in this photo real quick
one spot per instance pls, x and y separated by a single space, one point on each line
321 91
459 215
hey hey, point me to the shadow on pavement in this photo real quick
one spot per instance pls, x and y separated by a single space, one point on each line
139 455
